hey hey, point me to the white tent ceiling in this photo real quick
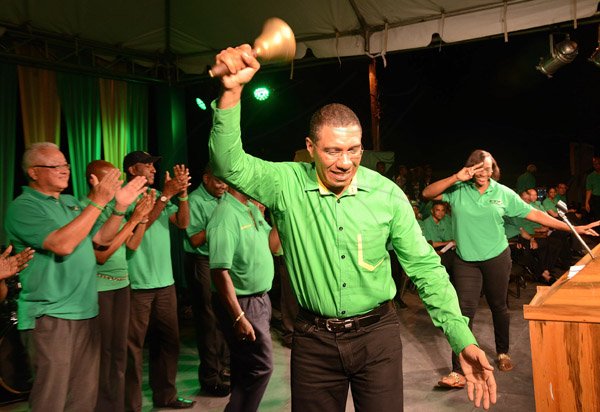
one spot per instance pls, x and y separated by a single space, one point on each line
186 34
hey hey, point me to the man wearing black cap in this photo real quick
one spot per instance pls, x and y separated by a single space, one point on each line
153 298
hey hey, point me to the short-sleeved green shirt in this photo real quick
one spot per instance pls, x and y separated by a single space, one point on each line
238 240
60 286
592 182
512 226
113 274
202 204
549 204
335 248
150 264
560 197
477 218
437 232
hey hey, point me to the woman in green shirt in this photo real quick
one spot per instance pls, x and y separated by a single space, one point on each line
479 204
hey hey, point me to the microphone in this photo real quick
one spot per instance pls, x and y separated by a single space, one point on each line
562 209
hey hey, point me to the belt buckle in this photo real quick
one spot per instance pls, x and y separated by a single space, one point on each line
333 325
329 323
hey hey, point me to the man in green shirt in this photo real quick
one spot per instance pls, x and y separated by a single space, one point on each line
58 303
240 244
334 219
527 179
153 297
437 229
592 191
213 372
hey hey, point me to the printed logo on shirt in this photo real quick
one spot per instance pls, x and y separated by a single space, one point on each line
497 202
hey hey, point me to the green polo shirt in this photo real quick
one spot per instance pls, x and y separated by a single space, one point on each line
512 226
477 218
59 286
113 274
561 197
335 248
150 264
592 182
238 239
202 204
524 182
437 232
549 204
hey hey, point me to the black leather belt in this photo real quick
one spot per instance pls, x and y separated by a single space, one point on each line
336 325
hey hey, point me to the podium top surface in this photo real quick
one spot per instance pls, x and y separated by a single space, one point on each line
570 300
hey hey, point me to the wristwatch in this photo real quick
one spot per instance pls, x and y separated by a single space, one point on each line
163 198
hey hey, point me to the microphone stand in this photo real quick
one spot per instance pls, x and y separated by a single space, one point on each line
561 207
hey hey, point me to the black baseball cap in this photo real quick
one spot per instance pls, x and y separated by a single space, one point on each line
138 157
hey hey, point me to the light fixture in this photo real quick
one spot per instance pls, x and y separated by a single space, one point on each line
562 53
595 57
200 103
261 93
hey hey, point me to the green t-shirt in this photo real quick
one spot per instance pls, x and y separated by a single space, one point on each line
592 182
150 264
560 197
335 248
524 182
202 204
549 204
238 240
512 226
477 218
437 232
60 286
113 274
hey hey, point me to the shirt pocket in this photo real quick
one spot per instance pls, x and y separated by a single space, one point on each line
371 252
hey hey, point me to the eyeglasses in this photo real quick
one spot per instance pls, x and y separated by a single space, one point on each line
55 167
353 154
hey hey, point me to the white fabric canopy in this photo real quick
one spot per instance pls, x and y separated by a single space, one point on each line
194 30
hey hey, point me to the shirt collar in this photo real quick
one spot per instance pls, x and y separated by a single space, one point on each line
314 183
36 193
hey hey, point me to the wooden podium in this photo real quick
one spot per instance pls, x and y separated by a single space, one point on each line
564 327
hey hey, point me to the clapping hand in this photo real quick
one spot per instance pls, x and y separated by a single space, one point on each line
127 194
144 206
9 265
104 190
179 183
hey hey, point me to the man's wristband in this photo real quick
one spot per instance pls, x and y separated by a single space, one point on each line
240 316
117 213
183 199
97 206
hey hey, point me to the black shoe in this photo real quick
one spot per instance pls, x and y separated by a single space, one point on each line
216 389
179 403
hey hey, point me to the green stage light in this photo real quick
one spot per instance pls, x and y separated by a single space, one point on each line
200 103
261 93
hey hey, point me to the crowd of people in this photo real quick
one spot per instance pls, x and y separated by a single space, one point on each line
101 276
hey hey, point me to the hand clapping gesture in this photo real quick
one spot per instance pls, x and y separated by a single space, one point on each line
127 194
104 190
179 183
144 206
10 265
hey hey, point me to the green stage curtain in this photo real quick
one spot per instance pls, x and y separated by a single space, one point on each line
113 103
40 107
8 137
172 146
80 100
137 104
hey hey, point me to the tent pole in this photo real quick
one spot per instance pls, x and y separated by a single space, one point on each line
374 93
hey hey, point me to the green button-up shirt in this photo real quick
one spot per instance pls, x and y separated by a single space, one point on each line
335 248
238 239
59 286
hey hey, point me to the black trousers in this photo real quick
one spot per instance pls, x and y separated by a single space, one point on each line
114 325
212 348
325 364
156 308
492 275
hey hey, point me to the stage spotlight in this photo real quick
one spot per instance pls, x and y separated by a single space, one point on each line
595 57
200 103
562 53
261 93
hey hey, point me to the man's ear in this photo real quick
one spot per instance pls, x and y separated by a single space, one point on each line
131 170
32 173
310 146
